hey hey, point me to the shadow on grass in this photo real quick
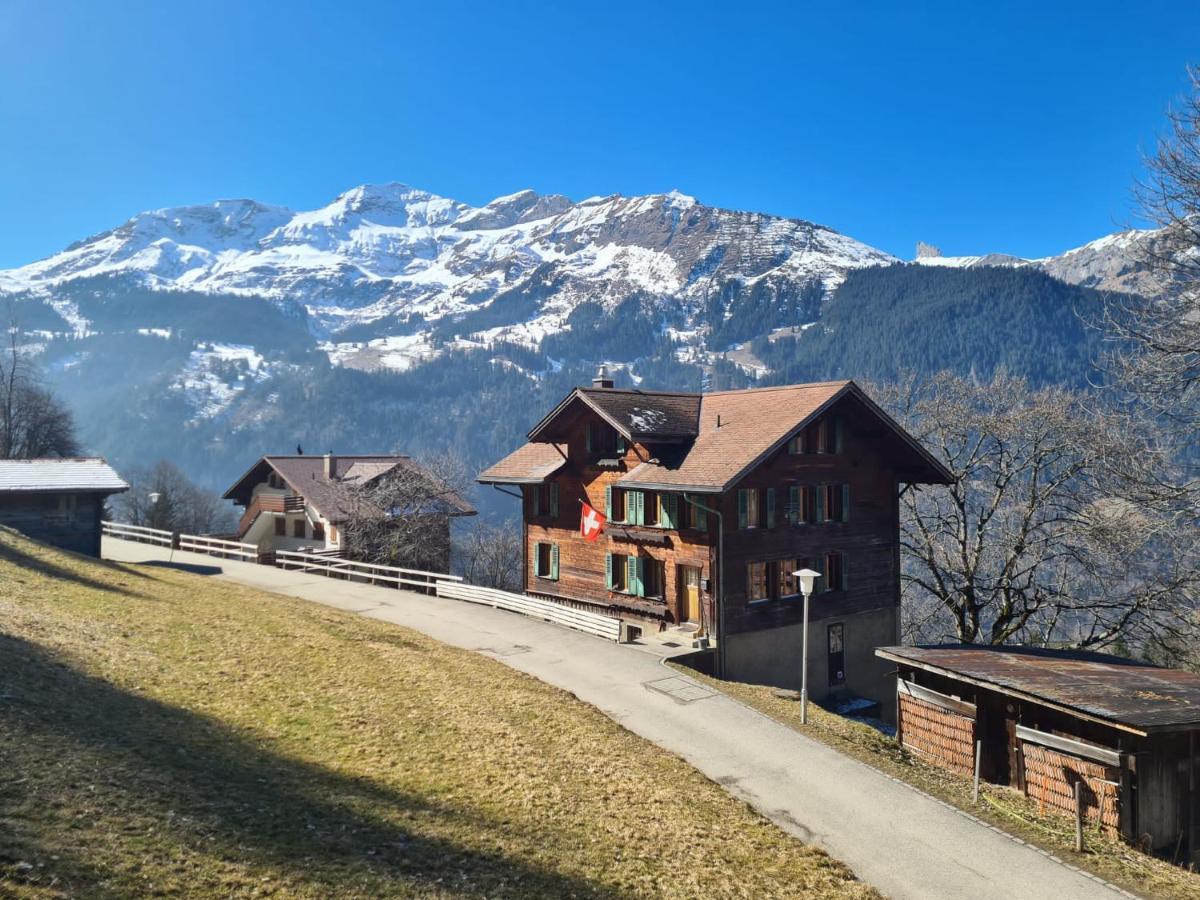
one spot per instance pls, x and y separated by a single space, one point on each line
45 566
194 568
170 779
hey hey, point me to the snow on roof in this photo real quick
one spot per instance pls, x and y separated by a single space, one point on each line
71 474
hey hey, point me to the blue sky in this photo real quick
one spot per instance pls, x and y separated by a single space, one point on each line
1009 127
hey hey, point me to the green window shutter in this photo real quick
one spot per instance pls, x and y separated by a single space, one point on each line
701 520
821 511
608 503
554 562
837 434
795 513
743 508
770 507
672 511
639 507
631 574
537 555
845 503
535 500
845 578
640 568
620 445
588 437
608 571
554 499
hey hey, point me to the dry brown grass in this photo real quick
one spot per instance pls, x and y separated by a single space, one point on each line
166 734
1003 807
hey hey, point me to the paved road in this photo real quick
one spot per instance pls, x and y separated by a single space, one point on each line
903 842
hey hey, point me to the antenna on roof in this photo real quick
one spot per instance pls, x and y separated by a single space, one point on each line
299 450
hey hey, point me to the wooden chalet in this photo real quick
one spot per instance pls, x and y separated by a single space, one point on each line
1126 732
299 503
712 501
58 501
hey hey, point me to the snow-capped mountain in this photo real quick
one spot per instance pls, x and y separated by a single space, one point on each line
380 258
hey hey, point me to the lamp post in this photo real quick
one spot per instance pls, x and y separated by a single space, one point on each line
807 579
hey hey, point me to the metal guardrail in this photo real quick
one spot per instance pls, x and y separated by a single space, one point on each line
137 533
371 573
581 620
218 547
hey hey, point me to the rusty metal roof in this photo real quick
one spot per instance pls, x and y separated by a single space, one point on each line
1123 692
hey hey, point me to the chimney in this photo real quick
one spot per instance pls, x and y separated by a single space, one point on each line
602 380
330 466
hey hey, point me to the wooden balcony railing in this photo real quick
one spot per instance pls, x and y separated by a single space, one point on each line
269 503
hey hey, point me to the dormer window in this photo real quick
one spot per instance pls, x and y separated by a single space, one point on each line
822 436
604 440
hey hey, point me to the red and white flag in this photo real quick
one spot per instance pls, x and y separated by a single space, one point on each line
591 523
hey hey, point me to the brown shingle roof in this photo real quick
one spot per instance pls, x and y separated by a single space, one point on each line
1107 687
692 452
528 464
753 423
306 476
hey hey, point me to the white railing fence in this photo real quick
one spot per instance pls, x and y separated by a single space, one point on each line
137 533
581 620
370 573
218 547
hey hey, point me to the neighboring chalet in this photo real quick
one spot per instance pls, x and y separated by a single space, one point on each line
58 501
767 480
1128 733
300 503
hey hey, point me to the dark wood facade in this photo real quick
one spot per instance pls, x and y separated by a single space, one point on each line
68 520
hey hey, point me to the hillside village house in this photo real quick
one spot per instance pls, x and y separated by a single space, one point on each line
765 481
58 501
300 503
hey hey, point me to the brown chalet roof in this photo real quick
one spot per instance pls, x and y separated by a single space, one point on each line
305 475
1122 692
691 452
529 464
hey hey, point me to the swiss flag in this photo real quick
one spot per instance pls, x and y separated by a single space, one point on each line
591 523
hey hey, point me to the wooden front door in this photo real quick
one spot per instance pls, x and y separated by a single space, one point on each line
689 593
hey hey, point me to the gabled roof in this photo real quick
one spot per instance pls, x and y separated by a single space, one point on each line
707 442
1112 689
529 464
638 415
305 475
73 474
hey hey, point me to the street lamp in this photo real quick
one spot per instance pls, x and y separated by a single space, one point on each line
807 579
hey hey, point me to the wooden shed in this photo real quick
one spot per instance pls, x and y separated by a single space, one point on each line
1046 719
58 501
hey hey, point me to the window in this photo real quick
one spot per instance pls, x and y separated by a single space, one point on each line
833 572
615 571
626 507
823 436
318 531
787 584
666 510
836 637
274 481
543 500
835 502
545 561
653 578
280 526
603 440
756 581
298 529
749 509
800 504
691 515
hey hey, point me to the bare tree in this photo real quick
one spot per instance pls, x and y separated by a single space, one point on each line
1157 353
491 556
1056 530
162 496
33 422
403 517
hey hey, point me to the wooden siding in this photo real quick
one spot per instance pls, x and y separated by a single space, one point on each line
70 521
935 734
1050 779
868 540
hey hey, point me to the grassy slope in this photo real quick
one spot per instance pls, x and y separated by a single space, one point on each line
163 734
1003 807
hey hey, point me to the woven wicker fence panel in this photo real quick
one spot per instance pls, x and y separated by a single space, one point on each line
940 736
1050 779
